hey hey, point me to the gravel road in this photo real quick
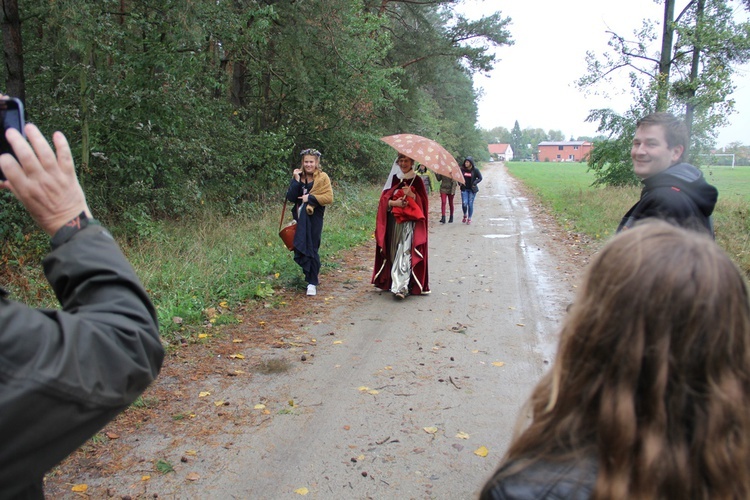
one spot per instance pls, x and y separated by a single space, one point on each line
396 399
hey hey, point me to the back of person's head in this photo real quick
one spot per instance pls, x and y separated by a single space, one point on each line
675 130
652 371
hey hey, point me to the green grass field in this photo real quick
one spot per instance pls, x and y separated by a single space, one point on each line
192 266
566 189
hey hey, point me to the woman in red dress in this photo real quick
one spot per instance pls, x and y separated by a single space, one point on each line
401 233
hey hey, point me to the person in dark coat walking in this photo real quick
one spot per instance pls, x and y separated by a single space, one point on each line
310 190
65 373
447 193
674 191
470 188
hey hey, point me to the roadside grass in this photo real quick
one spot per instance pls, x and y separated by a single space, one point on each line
198 270
565 188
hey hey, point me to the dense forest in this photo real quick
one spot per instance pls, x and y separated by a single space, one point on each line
175 105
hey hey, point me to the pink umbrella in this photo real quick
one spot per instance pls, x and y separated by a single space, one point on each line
427 152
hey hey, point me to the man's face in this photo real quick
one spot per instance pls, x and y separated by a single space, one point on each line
650 152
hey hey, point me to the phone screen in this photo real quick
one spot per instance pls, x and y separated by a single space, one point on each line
11 116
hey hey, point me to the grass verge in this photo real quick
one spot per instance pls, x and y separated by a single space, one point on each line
565 188
192 269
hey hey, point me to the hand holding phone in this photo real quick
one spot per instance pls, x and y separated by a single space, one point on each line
11 116
47 184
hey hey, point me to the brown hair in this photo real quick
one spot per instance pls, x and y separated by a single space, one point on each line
675 129
652 374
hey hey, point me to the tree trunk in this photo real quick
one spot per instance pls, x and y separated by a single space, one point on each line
237 89
15 85
665 62
85 167
694 68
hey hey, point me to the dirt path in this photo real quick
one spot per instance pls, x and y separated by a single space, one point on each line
393 399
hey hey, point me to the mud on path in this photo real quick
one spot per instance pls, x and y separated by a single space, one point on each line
351 394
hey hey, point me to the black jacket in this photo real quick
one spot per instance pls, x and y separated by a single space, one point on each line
472 176
680 195
570 480
65 373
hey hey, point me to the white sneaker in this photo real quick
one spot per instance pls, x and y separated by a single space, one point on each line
312 290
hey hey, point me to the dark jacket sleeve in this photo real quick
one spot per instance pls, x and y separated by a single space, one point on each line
65 373
294 191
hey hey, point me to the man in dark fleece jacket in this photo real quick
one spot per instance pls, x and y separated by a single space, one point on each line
65 373
673 191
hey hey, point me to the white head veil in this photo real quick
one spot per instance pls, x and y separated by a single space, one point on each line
396 170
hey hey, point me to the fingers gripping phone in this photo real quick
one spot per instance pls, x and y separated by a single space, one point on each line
11 116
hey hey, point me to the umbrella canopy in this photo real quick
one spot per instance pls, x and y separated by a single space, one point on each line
427 152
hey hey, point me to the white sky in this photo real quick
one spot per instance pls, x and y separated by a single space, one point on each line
533 80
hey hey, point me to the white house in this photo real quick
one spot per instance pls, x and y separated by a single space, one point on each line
502 152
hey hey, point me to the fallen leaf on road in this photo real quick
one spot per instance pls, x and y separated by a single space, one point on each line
302 491
112 435
204 394
79 488
430 430
520 324
462 435
238 341
360 458
498 363
363 388
482 451
202 335
191 453
219 403
373 392
237 356
260 407
338 342
193 476
145 478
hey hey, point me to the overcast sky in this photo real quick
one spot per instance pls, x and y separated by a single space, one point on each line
533 80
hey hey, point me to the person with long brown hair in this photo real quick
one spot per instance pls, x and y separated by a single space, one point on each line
649 393
310 190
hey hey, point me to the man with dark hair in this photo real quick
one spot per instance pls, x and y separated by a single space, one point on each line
674 191
65 373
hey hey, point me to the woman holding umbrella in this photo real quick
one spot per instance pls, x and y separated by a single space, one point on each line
401 233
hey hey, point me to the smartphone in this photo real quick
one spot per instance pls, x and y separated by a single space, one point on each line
11 116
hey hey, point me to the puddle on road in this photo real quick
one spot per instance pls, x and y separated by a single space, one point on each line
498 235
